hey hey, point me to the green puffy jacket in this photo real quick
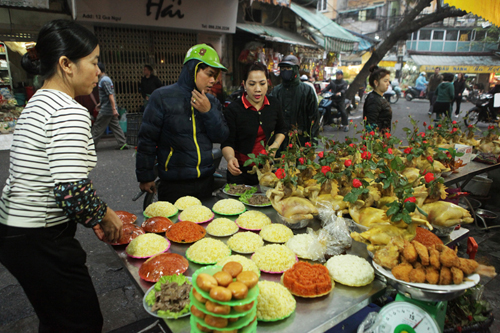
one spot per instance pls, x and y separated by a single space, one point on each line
299 106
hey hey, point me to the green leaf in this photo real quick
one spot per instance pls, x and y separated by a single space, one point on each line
393 210
397 217
251 155
247 162
369 174
410 206
351 197
406 218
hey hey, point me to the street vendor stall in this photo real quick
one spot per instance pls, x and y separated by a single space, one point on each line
310 315
310 267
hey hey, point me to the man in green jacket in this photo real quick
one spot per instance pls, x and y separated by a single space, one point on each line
298 102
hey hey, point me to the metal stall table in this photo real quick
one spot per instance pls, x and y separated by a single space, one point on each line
311 314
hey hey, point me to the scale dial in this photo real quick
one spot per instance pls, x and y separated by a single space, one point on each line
403 317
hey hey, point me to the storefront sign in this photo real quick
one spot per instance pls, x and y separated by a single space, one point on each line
213 15
462 69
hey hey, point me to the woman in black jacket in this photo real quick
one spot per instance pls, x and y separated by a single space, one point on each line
377 110
252 119
459 85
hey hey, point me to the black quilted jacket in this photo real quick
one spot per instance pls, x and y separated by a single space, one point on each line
169 134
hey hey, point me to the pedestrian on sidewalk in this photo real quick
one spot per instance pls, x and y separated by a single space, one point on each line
149 83
48 191
180 124
445 93
459 86
434 82
377 111
298 102
108 112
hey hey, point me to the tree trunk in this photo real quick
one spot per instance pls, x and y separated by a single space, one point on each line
406 26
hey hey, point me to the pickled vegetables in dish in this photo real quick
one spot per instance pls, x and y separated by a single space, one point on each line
307 280
185 232
163 264
157 224
126 217
130 231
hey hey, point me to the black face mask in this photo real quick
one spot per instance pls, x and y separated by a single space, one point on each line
286 75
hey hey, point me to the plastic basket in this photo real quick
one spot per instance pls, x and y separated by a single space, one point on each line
134 121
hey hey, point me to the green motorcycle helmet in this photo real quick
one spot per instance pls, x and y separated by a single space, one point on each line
205 54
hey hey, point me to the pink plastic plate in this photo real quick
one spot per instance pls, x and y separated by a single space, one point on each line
136 257
210 219
270 272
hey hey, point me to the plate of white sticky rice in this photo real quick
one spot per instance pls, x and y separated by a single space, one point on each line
350 270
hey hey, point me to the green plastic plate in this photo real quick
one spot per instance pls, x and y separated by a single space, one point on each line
244 210
252 328
240 323
233 314
252 293
206 263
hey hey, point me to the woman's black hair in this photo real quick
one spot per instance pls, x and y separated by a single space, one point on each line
149 67
256 66
102 67
56 39
377 74
448 77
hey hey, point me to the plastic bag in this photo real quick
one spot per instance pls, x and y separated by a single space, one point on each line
333 239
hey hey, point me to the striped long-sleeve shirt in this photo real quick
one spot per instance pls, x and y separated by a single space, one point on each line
52 145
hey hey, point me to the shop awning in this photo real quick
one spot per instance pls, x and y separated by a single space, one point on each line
358 9
487 9
336 38
456 64
276 34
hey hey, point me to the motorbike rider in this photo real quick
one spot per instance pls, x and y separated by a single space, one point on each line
421 83
180 124
298 102
338 87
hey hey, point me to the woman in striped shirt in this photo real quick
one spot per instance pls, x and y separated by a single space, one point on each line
48 191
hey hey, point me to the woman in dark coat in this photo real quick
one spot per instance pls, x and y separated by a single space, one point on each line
252 119
377 110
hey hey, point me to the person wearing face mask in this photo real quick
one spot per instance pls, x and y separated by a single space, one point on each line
377 110
253 119
298 102
180 124
338 87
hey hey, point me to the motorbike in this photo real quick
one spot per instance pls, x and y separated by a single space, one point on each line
483 111
392 95
414 93
326 102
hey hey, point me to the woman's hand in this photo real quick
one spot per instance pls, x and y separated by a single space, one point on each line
112 226
200 101
149 187
233 166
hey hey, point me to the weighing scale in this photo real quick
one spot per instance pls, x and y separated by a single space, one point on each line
406 315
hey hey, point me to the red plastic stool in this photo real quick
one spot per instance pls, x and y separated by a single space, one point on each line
471 247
